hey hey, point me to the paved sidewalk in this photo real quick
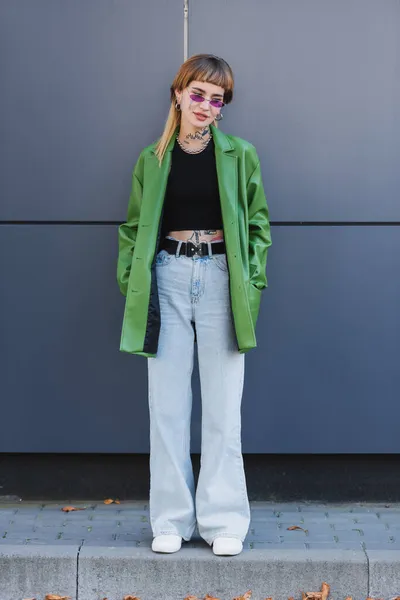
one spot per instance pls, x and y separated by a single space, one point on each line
104 551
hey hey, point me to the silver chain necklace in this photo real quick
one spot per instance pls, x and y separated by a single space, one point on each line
203 146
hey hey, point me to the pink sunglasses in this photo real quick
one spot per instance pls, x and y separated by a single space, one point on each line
199 98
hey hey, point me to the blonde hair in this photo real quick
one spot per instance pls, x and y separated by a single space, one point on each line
200 67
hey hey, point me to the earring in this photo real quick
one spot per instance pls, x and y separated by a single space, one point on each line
177 106
219 117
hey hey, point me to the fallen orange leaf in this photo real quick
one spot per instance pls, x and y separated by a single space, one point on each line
69 508
325 590
209 597
56 597
130 597
322 595
245 596
293 527
111 501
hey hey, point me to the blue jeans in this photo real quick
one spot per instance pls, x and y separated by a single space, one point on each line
194 292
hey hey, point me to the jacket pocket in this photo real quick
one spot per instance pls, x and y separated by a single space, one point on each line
254 297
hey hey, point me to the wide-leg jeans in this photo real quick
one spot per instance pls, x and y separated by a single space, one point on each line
195 306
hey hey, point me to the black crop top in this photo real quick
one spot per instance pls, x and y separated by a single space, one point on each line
192 197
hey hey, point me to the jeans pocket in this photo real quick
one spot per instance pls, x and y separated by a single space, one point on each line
220 261
163 258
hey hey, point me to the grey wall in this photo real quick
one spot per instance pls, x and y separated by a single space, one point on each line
83 86
319 94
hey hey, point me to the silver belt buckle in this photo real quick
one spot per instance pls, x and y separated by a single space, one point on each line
190 249
193 249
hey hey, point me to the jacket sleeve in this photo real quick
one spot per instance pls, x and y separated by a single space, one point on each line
259 227
127 231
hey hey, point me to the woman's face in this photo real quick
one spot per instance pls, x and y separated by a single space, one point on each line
199 114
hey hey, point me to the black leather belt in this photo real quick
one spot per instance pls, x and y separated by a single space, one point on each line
190 249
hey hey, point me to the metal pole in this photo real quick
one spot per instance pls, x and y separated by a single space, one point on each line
185 29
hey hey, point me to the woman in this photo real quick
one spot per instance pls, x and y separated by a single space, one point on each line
192 260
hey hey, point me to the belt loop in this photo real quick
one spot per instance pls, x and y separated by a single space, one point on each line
209 248
178 248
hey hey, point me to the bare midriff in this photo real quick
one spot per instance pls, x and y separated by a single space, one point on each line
198 235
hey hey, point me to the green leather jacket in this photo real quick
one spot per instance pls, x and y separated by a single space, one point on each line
246 232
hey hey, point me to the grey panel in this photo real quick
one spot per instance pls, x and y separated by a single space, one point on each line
324 378
65 387
84 87
326 374
318 93
64 384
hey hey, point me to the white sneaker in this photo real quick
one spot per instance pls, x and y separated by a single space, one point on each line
227 546
166 543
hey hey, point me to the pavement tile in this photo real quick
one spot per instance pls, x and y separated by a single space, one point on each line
325 524
19 530
110 544
271 546
320 537
345 546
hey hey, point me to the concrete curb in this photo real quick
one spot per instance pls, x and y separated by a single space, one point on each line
384 573
97 572
114 572
33 571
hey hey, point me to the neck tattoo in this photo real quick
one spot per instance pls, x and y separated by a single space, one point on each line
198 135
204 136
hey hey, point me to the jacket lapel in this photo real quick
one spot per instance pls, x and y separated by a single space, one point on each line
226 162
